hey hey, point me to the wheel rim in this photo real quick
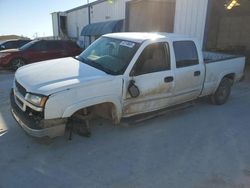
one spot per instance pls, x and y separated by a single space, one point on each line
223 92
17 63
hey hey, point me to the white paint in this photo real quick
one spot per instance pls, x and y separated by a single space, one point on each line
190 18
51 76
140 37
215 71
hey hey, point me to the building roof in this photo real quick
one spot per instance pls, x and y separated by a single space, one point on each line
140 37
86 5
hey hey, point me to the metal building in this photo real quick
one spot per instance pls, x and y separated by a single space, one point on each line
71 23
219 25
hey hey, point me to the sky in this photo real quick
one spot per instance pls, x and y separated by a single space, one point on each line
32 17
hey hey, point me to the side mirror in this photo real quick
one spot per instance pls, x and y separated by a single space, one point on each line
133 89
2 46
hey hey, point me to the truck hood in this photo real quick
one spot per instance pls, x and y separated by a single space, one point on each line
48 77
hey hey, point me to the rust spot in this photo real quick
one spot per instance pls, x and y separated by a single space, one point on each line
133 108
155 91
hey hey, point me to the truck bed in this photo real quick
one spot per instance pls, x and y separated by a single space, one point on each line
218 65
211 57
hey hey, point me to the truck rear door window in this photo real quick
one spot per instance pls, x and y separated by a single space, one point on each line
185 54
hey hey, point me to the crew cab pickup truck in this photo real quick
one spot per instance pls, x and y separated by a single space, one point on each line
120 75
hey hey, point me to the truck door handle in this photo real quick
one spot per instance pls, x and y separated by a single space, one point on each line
197 73
169 79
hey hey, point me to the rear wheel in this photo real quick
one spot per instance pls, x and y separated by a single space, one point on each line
17 63
222 93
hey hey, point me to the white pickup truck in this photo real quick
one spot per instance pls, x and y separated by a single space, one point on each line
120 75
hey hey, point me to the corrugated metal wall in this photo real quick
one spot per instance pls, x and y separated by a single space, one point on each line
76 20
190 18
106 11
100 12
55 24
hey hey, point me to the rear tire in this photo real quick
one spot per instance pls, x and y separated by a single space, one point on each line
17 63
222 93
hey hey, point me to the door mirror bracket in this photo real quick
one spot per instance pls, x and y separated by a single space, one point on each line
132 73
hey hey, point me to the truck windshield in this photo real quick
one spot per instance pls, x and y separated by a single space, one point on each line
109 55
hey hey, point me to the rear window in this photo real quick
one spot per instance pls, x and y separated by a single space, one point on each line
185 53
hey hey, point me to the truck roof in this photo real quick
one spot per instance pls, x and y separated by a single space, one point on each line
139 37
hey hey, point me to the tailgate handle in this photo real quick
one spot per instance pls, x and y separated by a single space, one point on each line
197 73
169 79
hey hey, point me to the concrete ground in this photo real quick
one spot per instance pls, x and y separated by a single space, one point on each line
204 146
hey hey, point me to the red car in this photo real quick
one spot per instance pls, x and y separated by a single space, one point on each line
38 50
13 43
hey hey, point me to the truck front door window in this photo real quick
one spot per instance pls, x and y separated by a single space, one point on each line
154 58
185 54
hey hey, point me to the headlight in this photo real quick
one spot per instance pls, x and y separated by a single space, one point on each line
37 100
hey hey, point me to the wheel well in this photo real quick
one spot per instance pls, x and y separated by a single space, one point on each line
25 60
105 110
231 77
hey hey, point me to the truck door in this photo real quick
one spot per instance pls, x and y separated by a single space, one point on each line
153 77
189 73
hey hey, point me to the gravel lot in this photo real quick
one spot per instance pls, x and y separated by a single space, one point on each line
204 146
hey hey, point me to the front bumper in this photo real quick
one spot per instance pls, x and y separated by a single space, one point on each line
34 126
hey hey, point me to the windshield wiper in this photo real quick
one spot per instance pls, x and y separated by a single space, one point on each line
95 65
101 67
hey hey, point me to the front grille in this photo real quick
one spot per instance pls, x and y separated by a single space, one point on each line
20 88
19 101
